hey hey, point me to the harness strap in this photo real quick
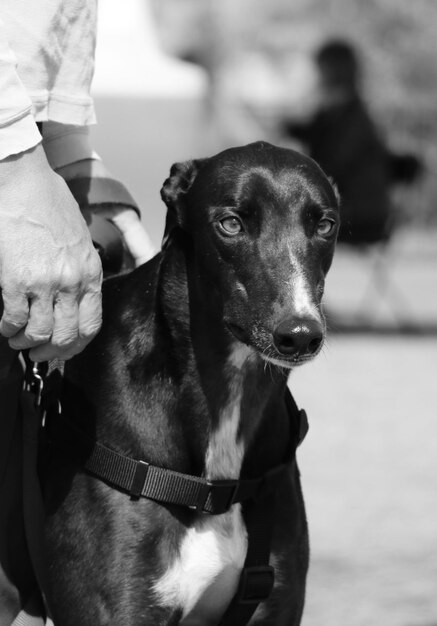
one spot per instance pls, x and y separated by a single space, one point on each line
143 480
257 577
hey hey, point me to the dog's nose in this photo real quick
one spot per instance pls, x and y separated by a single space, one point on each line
298 336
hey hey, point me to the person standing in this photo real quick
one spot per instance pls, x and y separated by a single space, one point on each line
50 273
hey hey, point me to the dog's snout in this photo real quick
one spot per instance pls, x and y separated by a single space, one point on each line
298 336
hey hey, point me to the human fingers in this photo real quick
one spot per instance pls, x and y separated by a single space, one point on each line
66 322
39 327
48 351
52 332
67 342
90 315
15 313
64 341
75 325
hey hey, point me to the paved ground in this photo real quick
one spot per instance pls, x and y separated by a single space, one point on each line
369 464
369 469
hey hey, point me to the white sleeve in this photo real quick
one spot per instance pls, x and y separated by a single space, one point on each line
66 143
18 130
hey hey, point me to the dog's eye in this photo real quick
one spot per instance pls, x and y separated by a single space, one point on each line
325 227
231 225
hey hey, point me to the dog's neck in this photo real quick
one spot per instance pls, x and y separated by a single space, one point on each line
183 392
234 383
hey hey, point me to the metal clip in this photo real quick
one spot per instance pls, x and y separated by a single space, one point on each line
34 381
39 383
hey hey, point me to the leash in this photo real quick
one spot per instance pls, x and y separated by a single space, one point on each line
140 479
31 406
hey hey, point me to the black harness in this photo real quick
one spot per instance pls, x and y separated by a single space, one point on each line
140 479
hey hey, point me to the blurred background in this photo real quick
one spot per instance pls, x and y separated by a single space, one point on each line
177 79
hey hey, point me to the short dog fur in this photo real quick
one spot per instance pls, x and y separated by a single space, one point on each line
189 372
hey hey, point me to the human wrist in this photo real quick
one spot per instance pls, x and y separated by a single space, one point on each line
19 136
23 164
31 191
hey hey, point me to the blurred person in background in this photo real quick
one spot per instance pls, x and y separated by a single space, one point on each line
343 138
50 273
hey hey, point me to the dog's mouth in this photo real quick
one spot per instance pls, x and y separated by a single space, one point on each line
287 362
238 332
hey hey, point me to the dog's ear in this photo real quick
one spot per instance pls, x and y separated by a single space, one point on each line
176 186
173 191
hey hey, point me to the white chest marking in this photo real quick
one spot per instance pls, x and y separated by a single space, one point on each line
203 578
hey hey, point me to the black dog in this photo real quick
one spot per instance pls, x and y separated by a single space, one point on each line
189 373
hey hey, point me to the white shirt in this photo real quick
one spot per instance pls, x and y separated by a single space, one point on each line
46 67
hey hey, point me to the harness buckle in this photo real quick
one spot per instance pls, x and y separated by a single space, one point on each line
221 495
139 479
256 584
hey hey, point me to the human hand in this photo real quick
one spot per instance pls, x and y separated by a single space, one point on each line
50 273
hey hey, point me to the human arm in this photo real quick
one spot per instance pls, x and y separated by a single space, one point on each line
18 131
50 274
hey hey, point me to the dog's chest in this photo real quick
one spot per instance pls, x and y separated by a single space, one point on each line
204 577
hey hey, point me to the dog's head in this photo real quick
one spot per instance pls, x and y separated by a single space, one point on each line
263 222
